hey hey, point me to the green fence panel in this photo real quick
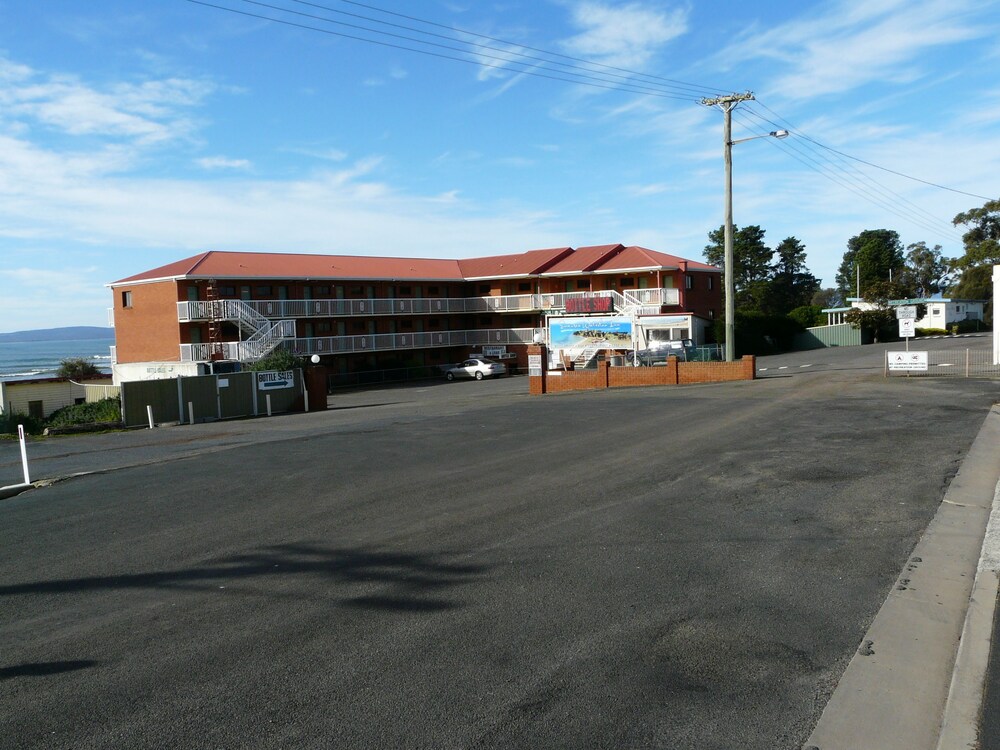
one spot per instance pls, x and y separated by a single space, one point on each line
825 336
159 394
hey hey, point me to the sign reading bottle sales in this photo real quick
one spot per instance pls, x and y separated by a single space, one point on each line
273 380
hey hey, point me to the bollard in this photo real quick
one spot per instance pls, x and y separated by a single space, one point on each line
149 414
190 412
267 399
24 453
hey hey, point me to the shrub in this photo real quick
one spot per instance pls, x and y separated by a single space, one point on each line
931 332
106 410
757 333
279 360
10 421
808 316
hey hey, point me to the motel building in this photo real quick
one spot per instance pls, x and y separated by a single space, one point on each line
216 311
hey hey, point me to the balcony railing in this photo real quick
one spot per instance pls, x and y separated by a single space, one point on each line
332 308
380 342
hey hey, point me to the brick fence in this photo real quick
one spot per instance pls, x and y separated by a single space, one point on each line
674 372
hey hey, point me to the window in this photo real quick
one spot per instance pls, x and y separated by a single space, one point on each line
227 291
408 324
688 281
359 325
126 299
323 327
524 286
582 284
263 291
321 291
711 314
628 281
356 291
405 291
484 288
711 283
433 291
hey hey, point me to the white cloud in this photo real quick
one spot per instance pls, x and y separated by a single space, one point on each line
625 36
221 162
850 43
147 112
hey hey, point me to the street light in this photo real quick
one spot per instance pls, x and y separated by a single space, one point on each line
727 104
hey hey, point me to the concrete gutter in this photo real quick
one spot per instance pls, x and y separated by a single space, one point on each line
959 727
901 691
14 489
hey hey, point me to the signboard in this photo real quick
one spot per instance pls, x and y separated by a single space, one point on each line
906 312
597 333
494 351
590 305
535 365
273 380
907 328
907 361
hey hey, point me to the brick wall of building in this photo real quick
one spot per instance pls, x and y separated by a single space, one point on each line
146 326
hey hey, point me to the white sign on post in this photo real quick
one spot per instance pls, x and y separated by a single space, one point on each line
906 312
907 361
907 328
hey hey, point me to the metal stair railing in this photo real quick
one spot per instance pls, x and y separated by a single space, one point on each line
265 340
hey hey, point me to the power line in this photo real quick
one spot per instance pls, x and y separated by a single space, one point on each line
694 87
526 68
837 174
868 163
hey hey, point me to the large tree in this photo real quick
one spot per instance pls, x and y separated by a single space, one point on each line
872 256
925 272
982 252
790 284
751 261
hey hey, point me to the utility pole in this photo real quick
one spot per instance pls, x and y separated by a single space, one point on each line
727 104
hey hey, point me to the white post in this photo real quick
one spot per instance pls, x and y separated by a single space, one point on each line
24 453
190 412
149 414
267 399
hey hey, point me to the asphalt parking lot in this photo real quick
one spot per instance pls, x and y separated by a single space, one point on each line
461 565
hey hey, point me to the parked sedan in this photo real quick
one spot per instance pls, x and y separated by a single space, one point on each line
476 368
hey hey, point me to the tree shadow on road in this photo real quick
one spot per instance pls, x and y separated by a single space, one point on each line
43 669
371 579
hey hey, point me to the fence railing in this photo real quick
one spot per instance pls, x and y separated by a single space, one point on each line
379 342
957 363
331 308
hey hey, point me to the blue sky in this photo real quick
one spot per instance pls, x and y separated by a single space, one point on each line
134 133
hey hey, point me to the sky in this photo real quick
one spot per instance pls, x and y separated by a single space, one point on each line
134 133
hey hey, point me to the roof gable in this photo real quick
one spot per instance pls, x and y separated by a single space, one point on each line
530 263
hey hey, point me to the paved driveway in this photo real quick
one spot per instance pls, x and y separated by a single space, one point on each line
463 565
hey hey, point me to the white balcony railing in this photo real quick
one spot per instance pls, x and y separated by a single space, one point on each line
243 351
235 310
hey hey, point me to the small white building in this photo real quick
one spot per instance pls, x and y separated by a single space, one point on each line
40 397
942 312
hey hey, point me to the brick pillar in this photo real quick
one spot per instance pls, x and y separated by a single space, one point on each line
315 377
537 384
749 366
673 376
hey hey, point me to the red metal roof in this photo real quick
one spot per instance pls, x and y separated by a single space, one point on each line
229 265
551 261
584 259
641 258
530 263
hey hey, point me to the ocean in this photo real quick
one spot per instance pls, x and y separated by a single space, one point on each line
40 359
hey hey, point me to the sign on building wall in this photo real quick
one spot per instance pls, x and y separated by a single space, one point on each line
579 333
494 351
273 380
603 304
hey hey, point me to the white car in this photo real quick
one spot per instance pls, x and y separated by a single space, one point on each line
476 368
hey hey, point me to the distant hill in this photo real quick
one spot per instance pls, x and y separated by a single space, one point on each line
69 333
